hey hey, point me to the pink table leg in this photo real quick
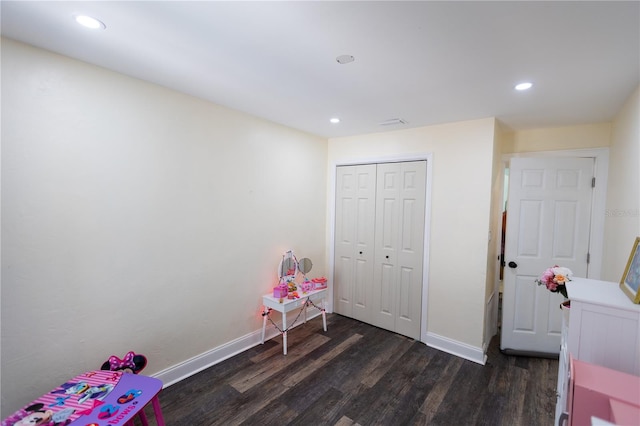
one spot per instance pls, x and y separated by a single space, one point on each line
157 410
143 418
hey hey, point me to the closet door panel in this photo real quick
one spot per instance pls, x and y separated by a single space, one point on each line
399 245
361 285
364 250
383 299
343 285
345 239
411 248
405 294
385 286
354 237
408 304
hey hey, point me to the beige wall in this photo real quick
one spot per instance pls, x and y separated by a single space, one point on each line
622 218
138 218
557 138
460 215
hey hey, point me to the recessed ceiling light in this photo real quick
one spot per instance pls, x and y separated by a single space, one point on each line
89 22
524 86
335 120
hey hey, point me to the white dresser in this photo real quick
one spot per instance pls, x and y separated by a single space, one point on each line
602 328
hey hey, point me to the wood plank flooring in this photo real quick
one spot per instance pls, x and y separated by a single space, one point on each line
357 374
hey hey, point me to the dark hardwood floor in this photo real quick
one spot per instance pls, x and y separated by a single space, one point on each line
357 374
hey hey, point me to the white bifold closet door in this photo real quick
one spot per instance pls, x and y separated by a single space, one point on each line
379 242
354 240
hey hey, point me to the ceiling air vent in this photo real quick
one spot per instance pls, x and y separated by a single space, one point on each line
392 122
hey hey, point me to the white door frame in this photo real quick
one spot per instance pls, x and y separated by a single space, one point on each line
428 157
599 201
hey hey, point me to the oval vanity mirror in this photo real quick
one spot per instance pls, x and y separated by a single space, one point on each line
305 265
288 267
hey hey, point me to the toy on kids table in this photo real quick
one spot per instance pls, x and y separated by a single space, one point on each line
131 363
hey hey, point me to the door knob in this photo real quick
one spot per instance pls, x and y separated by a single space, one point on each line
512 264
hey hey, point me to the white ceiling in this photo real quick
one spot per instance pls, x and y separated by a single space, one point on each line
425 62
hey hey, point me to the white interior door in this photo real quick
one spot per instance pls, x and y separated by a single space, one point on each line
354 240
548 223
397 277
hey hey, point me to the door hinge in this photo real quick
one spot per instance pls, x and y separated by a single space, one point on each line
588 257
593 182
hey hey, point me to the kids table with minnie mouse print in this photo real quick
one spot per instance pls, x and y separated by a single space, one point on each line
95 398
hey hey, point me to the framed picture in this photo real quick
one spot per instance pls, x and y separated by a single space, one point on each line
630 282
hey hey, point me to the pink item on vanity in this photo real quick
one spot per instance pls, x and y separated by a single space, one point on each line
280 291
319 283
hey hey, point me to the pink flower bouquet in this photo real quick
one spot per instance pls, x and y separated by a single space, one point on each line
555 279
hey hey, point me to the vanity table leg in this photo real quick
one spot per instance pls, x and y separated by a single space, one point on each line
324 315
284 333
264 322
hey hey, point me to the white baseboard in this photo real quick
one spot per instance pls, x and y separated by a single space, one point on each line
181 371
453 347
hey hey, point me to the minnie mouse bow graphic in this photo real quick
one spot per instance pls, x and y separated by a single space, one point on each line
131 361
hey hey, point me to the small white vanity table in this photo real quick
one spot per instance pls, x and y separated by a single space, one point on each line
292 275
288 305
